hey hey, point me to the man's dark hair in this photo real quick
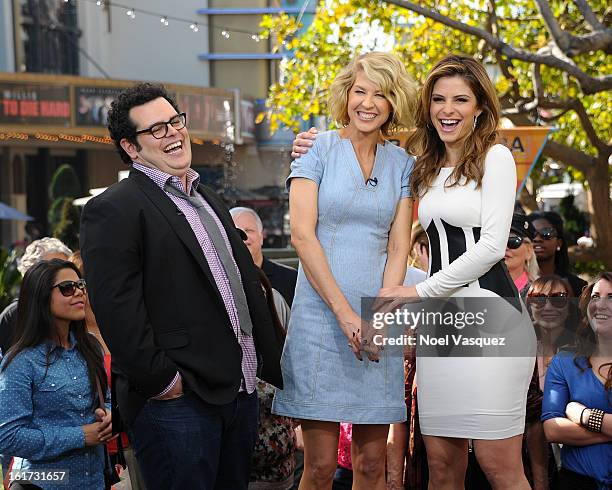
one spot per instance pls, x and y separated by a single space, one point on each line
119 123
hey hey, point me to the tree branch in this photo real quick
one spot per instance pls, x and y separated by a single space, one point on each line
570 44
576 105
589 85
503 64
589 15
559 35
569 156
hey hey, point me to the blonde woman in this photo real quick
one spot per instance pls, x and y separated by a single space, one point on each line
350 212
520 257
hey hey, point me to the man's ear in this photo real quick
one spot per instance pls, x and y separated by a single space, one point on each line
129 147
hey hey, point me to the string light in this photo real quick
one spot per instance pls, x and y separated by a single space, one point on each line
165 19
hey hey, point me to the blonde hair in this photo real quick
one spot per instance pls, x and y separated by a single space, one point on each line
427 146
389 73
531 263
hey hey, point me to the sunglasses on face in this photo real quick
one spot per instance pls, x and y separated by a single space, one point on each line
160 130
538 300
546 233
514 242
68 288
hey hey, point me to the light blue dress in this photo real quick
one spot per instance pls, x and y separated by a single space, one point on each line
323 380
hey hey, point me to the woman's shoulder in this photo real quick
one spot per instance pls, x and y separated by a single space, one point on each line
499 152
566 359
23 361
397 153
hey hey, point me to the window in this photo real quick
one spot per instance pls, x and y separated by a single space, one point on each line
47 36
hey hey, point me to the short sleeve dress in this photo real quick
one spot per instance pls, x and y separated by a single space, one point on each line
323 380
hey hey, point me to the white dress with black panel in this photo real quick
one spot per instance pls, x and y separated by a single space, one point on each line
475 397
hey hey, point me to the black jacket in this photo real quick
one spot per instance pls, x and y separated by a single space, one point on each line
281 277
156 301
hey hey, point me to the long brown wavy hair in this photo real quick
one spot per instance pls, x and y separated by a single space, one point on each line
586 341
427 146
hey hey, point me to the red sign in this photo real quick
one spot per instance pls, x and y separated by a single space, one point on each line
34 104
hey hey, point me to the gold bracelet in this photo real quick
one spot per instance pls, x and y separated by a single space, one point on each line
595 420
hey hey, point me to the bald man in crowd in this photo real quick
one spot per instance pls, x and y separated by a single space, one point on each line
281 277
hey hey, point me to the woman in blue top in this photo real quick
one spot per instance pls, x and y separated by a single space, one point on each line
49 381
350 225
577 405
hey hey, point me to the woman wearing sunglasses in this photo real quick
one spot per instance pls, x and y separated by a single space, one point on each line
51 385
519 257
551 248
554 320
577 405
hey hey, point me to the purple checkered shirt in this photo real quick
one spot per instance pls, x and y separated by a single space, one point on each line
249 357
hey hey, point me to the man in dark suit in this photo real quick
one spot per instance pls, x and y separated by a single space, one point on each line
281 277
179 304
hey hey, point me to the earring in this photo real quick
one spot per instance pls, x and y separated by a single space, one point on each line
558 248
475 121
428 126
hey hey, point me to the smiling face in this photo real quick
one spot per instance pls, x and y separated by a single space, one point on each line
367 107
67 308
452 109
170 154
599 310
549 317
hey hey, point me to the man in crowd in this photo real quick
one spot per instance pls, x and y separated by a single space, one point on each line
179 304
281 277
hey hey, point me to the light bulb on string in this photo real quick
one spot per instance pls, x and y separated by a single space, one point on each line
164 20
131 14
194 27
255 38
225 34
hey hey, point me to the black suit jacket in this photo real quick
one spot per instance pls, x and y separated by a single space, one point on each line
281 277
156 301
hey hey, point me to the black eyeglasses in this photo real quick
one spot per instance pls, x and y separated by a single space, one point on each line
68 288
546 233
538 300
160 130
514 242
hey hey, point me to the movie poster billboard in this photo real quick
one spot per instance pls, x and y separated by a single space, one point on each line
34 104
92 105
211 115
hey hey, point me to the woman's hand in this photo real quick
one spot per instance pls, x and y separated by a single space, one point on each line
390 299
92 434
105 430
303 142
352 327
574 410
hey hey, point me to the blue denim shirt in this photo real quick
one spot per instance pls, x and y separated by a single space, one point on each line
41 416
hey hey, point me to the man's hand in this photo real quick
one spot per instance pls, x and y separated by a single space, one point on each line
303 142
